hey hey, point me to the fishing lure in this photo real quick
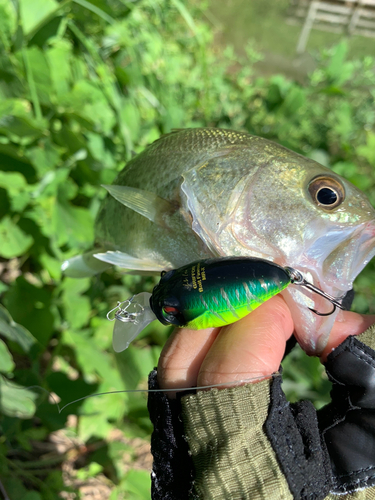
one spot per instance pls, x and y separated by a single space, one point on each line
205 294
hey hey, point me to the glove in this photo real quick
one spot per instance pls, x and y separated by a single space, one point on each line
248 442
347 424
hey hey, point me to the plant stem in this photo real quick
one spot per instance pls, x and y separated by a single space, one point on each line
3 492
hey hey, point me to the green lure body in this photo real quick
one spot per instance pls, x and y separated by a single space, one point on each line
216 292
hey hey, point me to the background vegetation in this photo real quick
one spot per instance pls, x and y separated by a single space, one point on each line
83 84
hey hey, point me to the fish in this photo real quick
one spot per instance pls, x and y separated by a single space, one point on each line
201 193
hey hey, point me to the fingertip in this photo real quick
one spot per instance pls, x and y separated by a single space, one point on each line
182 356
347 323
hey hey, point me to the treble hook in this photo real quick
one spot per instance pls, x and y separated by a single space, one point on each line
297 279
122 314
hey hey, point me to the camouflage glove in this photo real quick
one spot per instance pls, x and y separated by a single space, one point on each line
248 442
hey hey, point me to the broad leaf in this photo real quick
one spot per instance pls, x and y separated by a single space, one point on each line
34 13
15 332
14 241
15 400
72 225
6 359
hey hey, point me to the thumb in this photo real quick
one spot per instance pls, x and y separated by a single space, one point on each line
250 348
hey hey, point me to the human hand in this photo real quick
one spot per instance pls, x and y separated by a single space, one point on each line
251 348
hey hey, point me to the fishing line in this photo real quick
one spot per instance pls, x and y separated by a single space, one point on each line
126 391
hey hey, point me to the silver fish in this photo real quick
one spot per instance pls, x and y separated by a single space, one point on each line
205 192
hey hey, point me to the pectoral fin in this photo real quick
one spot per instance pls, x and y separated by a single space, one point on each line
127 261
83 266
143 202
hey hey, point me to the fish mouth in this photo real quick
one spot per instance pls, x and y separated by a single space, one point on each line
311 330
334 275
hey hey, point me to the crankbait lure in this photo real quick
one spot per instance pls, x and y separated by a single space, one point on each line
205 294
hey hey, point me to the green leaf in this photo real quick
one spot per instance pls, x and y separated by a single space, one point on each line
15 332
294 100
38 76
15 400
17 187
8 20
14 182
17 121
339 70
72 224
51 183
368 151
186 15
44 157
32 495
59 58
94 426
91 360
138 484
342 120
91 470
99 12
346 169
99 151
35 13
14 241
6 359
89 102
14 487
53 266
77 306
67 389
35 312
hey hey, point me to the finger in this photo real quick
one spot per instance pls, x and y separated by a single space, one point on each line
182 356
347 323
250 348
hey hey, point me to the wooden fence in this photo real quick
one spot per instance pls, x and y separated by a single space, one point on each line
351 17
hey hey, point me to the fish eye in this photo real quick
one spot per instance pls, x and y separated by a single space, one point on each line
327 192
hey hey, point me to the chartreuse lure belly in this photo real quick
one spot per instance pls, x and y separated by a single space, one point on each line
205 294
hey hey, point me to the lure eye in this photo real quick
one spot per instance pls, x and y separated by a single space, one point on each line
172 315
170 310
327 192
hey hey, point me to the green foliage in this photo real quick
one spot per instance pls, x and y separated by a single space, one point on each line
83 84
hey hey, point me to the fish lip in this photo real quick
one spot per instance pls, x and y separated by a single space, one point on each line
336 280
311 331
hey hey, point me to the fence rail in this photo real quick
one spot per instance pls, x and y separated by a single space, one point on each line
351 17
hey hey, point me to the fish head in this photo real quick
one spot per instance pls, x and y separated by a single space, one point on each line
315 221
291 210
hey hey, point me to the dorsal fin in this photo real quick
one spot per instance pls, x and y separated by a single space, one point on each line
143 202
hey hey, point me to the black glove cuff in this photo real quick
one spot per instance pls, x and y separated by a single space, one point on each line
348 422
294 434
172 469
